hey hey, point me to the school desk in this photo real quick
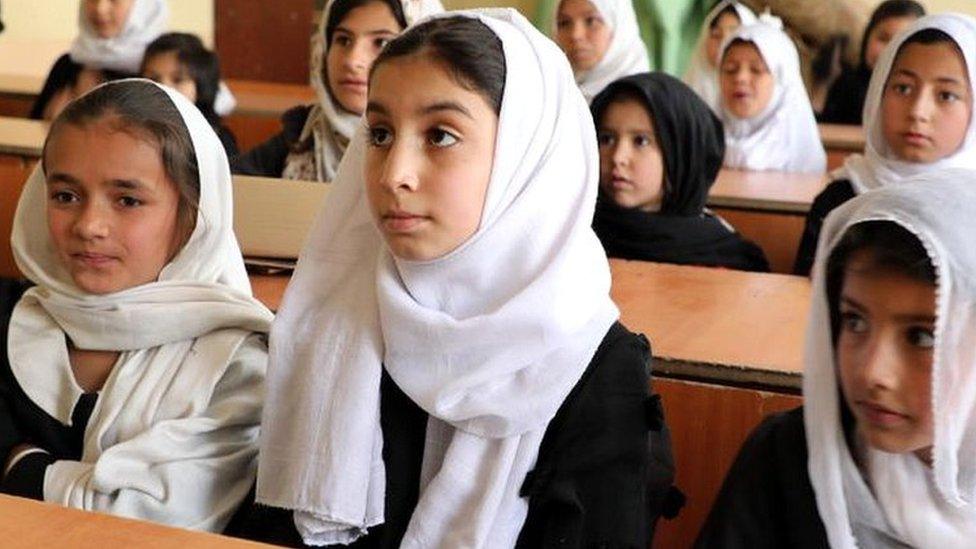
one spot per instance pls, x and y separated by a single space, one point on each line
29 524
22 137
768 208
841 140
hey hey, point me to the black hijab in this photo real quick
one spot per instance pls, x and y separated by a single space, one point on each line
692 143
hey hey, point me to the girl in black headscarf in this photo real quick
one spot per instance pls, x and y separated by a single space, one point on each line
661 148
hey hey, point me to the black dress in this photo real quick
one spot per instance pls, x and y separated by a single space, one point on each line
596 484
837 193
767 500
845 99
268 158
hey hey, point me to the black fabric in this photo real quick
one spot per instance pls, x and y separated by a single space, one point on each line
684 240
268 158
691 137
837 193
595 481
228 140
845 99
767 500
26 478
64 74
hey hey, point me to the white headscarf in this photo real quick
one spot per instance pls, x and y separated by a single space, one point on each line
701 76
328 123
177 337
784 137
626 54
488 340
878 166
123 53
919 506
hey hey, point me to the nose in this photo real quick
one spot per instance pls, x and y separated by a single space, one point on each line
620 154
922 105
102 7
359 58
881 362
92 222
399 173
577 31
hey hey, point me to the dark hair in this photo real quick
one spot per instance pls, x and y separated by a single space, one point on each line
466 47
200 64
144 110
727 10
890 247
888 10
341 8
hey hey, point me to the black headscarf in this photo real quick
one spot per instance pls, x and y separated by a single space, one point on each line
692 143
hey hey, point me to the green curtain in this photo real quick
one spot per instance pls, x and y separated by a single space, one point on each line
669 28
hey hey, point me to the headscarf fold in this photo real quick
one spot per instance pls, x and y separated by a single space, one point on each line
701 75
878 166
900 498
488 339
147 20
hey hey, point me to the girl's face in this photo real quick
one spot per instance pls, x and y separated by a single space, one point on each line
631 166
166 69
356 42
747 84
582 33
429 160
880 35
113 224
107 17
884 356
724 25
927 103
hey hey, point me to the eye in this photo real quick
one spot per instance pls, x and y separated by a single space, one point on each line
380 137
853 322
643 140
562 23
63 197
948 97
442 138
341 40
129 202
901 88
922 337
593 21
380 43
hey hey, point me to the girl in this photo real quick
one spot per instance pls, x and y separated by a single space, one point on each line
722 21
180 61
660 150
112 36
314 138
132 374
917 117
881 454
845 100
448 367
601 40
769 123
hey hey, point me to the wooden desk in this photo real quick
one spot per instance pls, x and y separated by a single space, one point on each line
22 137
29 524
840 141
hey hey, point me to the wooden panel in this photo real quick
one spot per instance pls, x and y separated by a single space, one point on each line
708 425
777 234
779 192
13 174
269 289
22 137
836 158
16 105
244 27
251 131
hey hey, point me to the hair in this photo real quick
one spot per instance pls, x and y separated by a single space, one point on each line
200 63
740 42
341 8
889 10
889 246
144 110
466 47
727 10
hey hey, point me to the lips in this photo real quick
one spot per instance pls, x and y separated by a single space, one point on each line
916 138
353 83
880 416
402 222
92 259
619 183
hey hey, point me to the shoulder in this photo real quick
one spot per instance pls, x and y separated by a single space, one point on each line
836 193
293 121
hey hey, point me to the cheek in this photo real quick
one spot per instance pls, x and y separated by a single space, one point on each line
956 124
601 40
333 65
650 165
59 227
764 87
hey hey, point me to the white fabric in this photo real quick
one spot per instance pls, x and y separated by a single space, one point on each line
173 436
489 339
626 54
225 102
878 166
701 76
328 123
918 506
123 53
784 136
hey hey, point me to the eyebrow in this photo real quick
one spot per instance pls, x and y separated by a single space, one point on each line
128 184
906 318
373 32
440 106
943 79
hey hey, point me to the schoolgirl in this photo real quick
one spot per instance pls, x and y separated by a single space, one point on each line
702 73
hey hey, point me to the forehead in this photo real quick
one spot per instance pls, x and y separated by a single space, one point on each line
89 153
577 8
872 285
402 85
937 60
744 51
726 20
626 111
164 61
891 25
369 17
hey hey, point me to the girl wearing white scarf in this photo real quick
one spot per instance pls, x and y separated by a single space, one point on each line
172 436
314 139
783 136
485 351
910 484
880 164
625 55
702 73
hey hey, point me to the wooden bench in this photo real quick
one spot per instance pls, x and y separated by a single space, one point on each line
840 141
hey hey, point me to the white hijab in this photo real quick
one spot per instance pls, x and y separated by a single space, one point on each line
701 76
626 54
328 124
177 337
488 350
123 53
878 166
911 503
784 137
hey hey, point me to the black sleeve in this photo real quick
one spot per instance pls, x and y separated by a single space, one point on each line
10 435
63 75
268 158
834 195
767 500
845 99
228 140
26 478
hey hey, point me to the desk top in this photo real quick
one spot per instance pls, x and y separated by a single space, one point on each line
268 98
778 192
22 137
842 137
29 524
